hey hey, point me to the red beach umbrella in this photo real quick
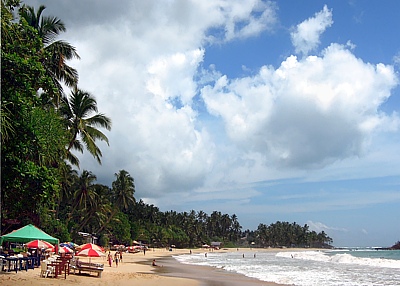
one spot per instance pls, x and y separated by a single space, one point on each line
90 246
65 249
90 252
39 244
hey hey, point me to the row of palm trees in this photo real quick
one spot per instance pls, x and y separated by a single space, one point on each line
289 235
147 223
115 216
86 206
197 227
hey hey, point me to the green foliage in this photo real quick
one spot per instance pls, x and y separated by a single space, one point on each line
104 240
230 244
33 133
57 52
121 229
289 235
55 227
29 182
82 120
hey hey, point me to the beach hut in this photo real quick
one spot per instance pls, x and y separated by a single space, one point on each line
216 244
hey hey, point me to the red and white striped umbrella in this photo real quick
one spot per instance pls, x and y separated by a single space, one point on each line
39 244
90 252
65 249
90 246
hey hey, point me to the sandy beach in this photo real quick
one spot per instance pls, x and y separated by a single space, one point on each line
137 269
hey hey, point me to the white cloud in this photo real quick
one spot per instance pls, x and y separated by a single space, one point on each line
306 113
141 60
396 59
305 36
179 69
319 226
240 22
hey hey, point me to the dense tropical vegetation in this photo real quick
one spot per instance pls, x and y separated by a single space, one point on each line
41 127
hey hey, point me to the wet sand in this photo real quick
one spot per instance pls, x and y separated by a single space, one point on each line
207 276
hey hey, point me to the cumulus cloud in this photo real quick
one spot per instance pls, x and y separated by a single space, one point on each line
241 22
305 36
179 126
141 60
308 112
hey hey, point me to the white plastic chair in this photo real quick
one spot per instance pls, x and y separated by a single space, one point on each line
46 270
43 269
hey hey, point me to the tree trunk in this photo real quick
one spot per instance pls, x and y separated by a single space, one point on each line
107 222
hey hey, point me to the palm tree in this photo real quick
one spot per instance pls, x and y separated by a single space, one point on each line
123 189
84 195
235 228
58 52
97 214
69 177
77 111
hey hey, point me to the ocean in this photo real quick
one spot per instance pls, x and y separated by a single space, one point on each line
307 268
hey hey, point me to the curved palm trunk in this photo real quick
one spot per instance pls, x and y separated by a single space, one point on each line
71 213
108 221
84 222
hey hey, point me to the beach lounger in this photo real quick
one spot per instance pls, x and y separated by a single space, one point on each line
87 267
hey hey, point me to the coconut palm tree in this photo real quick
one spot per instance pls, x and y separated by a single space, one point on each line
97 214
77 111
84 196
56 53
69 177
123 189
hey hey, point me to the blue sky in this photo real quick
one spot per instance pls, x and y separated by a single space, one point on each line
278 110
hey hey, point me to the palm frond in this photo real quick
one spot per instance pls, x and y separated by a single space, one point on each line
100 120
62 47
50 27
72 159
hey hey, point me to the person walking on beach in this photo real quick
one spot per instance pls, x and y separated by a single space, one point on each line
109 257
120 256
116 258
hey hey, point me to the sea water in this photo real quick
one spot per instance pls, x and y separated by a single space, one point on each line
331 267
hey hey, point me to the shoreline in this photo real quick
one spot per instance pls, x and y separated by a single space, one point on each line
206 275
137 269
